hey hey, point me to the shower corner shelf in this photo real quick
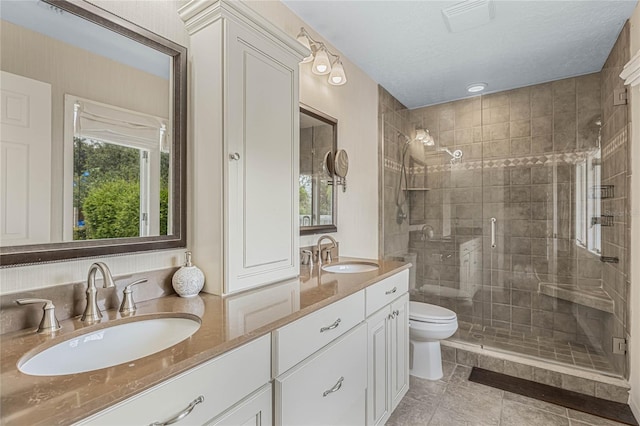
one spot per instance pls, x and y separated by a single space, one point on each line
417 189
596 297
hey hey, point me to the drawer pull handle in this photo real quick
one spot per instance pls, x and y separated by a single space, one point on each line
393 290
182 414
335 388
331 327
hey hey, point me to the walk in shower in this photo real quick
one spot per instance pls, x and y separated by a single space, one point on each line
513 208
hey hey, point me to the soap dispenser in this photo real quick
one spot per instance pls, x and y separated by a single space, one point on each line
188 280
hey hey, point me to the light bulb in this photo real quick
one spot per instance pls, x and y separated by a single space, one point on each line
337 77
321 64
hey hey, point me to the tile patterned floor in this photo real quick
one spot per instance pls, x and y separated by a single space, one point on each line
454 401
572 353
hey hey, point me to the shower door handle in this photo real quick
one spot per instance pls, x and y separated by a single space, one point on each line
493 232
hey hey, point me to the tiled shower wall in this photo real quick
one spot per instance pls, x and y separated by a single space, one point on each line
393 120
520 148
616 171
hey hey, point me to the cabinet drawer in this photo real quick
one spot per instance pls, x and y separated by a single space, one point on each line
217 381
314 394
386 291
298 340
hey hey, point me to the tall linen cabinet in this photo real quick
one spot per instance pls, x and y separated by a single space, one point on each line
244 157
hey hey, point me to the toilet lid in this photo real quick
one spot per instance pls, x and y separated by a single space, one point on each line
430 313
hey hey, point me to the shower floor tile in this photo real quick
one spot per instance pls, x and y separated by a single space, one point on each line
572 353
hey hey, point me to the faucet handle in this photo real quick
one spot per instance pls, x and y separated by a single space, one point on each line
307 257
128 306
327 255
49 323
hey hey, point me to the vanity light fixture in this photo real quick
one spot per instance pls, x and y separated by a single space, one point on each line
476 87
321 57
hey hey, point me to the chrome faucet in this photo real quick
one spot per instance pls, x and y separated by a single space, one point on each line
92 312
328 250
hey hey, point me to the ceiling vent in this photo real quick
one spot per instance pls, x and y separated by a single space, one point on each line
468 14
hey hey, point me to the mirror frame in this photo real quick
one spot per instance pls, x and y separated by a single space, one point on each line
321 229
50 252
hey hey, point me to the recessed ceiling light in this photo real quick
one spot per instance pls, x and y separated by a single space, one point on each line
476 87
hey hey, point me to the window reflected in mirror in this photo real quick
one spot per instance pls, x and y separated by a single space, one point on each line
93 141
317 196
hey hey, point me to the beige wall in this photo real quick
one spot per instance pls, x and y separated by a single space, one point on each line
634 355
354 105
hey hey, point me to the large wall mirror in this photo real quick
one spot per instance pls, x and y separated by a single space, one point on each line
318 143
93 125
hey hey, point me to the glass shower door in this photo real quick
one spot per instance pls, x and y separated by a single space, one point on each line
544 188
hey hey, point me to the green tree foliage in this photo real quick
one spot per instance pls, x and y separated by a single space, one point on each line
112 210
304 195
107 190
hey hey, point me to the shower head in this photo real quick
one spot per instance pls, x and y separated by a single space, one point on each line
455 155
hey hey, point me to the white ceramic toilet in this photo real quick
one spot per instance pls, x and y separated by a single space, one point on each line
428 325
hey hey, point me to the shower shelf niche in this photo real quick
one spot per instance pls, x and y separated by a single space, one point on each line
593 297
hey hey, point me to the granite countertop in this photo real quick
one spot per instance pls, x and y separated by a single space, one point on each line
54 400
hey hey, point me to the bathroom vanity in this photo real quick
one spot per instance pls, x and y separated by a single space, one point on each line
295 349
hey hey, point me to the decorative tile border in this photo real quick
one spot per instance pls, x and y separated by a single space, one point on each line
617 142
500 163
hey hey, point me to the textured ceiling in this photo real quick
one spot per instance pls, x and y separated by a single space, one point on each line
406 47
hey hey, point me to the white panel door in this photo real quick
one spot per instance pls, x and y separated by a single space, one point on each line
25 160
262 159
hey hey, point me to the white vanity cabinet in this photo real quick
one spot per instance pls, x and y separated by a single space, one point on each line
329 388
254 410
245 114
231 389
320 366
387 346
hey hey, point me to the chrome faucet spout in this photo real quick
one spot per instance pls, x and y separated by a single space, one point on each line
328 250
92 311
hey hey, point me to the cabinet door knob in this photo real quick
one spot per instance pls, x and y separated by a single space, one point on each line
335 387
234 156
182 414
331 327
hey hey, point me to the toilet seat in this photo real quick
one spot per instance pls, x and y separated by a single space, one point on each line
424 312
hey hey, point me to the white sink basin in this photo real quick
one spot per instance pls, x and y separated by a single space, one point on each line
106 347
350 267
